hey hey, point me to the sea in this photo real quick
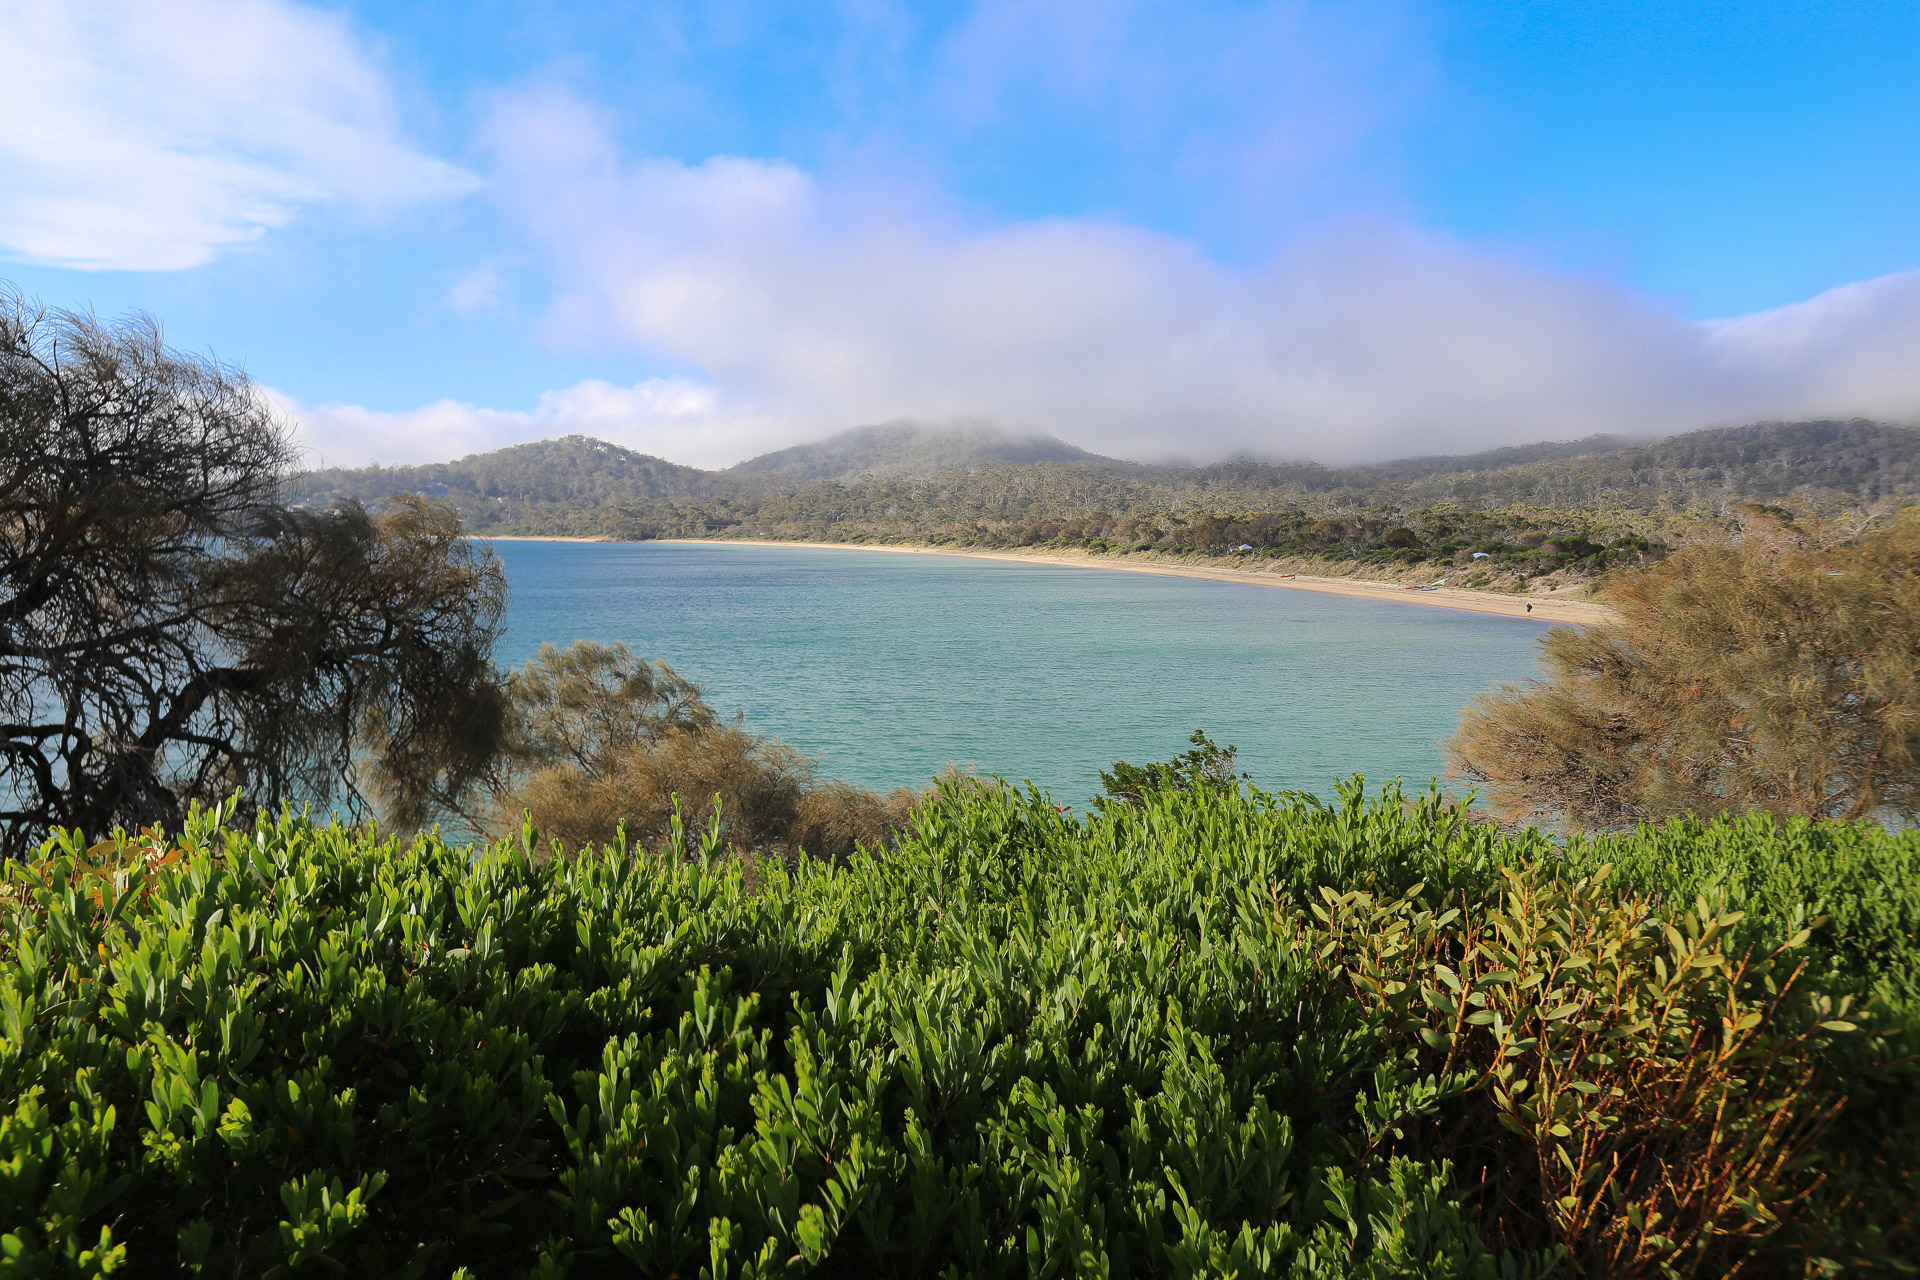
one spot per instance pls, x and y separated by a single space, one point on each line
889 668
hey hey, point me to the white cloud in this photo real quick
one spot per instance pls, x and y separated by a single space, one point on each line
677 418
808 306
1365 342
1852 350
146 136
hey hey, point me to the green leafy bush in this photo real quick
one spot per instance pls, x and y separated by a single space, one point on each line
1661 1099
1020 1043
1784 875
1207 765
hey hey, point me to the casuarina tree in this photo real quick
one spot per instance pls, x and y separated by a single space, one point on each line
1779 673
171 631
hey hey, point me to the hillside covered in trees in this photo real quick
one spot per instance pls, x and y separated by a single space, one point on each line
902 449
1506 515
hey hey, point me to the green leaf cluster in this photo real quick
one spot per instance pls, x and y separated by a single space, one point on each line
1019 1043
1208 764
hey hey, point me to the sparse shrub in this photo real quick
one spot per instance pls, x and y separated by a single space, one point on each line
760 784
1775 675
603 742
834 818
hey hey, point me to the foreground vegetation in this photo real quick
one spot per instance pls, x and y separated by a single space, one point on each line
1204 1030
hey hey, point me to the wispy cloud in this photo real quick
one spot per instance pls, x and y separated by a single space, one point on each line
149 137
1237 118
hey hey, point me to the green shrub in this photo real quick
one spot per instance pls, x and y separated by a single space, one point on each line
1640 1099
1784 875
1208 764
1019 1043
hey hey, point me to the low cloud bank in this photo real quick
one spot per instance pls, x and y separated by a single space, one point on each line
1370 348
809 312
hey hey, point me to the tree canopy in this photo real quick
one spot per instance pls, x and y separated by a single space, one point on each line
1777 674
170 631
900 483
600 743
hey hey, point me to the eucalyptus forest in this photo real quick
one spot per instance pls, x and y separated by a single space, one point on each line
1545 515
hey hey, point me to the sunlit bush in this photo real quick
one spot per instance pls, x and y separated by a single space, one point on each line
604 745
1777 674
1018 1043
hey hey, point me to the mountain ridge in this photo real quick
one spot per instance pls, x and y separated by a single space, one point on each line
583 486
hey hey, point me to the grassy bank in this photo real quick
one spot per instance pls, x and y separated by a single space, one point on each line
1221 1032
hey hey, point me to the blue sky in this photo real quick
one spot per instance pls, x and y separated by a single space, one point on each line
1285 229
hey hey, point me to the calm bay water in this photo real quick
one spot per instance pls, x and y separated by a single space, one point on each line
891 667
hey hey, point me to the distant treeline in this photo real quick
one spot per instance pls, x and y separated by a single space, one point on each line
1519 511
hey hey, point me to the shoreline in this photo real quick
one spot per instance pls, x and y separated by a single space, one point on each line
521 537
1546 609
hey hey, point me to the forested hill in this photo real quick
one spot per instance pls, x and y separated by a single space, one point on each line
1855 463
903 449
1560 503
579 478
571 471
1831 464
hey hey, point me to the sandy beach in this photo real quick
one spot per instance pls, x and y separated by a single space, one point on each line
1546 609
515 537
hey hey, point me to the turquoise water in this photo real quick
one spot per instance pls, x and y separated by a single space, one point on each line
890 667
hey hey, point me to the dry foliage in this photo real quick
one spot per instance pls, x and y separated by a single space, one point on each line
604 742
1778 674
1622 1088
